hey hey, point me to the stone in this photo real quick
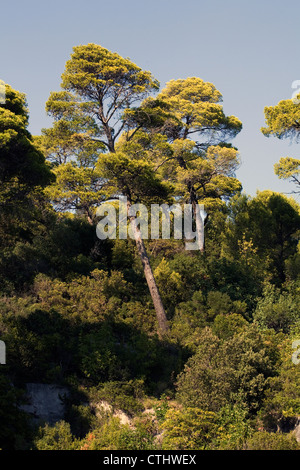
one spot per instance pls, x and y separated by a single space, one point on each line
45 402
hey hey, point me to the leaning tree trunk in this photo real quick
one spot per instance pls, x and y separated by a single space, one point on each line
154 291
163 326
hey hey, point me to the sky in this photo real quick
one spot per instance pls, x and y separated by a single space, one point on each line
248 50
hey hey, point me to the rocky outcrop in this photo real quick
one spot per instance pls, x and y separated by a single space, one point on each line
103 407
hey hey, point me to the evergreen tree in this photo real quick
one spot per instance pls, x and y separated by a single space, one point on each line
283 121
98 86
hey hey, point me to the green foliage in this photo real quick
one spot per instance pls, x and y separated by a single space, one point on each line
278 309
98 86
66 142
161 408
226 326
21 162
15 431
234 427
263 440
133 178
189 429
215 309
195 104
264 231
288 169
23 174
222 372
281 405
170 284
121 395
99 361
81 419
57 437
210 174
113 435
282 122
76 311
36 346
76 189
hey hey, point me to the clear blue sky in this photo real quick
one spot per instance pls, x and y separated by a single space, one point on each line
248 49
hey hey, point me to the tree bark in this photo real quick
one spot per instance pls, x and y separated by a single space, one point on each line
89 216
161 316
163 326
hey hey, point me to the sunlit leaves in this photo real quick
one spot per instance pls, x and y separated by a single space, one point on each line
283 120
289 169
76 188
19 158
196 105
134 178
101 84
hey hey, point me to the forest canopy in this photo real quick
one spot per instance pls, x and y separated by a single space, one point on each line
159 347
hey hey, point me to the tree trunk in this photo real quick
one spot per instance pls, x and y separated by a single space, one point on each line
163 326
161 316
89 216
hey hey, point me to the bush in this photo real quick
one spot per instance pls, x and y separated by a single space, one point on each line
189 429
125 396
113 435
57 437
263 440
220 371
